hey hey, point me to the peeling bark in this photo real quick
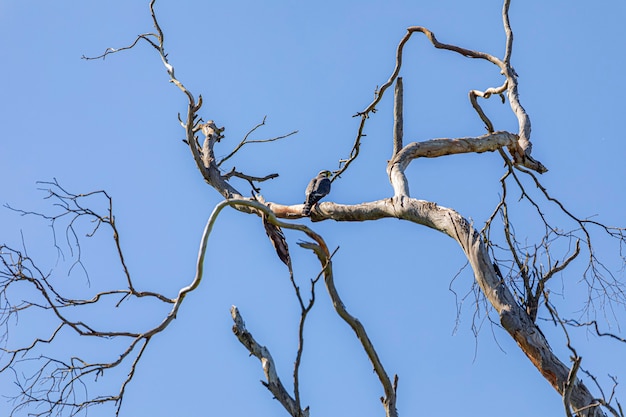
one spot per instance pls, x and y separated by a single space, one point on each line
513 317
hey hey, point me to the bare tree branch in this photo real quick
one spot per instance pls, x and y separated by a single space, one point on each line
569 385
55 392
398 118
273 382
389 401
486 94
520 152
245 141
512 275
305 309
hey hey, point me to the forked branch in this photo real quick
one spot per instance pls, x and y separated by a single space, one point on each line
520 150
501 290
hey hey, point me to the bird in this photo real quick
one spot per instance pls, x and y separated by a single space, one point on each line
317 188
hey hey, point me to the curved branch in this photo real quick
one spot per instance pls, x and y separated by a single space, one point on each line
321 250
485 94
378 94
513 317
389 401
521 150
18 268
439 147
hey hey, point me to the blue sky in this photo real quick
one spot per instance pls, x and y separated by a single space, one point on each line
309 67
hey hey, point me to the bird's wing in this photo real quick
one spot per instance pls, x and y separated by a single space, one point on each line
323 187
310 187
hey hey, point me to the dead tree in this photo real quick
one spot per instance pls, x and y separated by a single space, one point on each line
512 277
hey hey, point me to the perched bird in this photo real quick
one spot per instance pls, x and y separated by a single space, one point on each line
317 188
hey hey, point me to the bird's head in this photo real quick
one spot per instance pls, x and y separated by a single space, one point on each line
325 174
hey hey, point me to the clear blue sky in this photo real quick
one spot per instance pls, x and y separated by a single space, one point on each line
308 66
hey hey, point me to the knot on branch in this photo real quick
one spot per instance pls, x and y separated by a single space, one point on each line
210 129
520 151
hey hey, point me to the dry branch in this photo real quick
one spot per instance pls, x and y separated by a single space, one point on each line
273 383
520 150
389 401
398 117
245 141
499 289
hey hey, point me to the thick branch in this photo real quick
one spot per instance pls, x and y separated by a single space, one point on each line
439 147
512 317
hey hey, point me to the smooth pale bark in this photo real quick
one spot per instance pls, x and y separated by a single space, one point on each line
441 147
512 317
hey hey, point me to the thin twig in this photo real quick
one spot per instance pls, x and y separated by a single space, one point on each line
245 141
